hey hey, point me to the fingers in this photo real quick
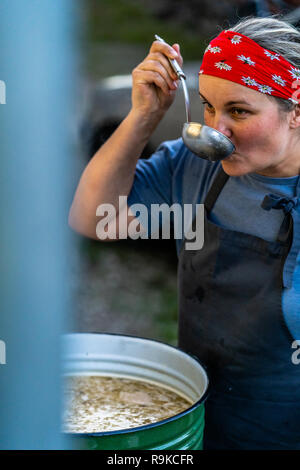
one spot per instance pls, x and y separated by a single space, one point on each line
157 69
159 64
179 58
144 76
173 52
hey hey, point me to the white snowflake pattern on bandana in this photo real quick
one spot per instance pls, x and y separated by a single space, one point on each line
236 39
249 81
214 50
277 79
272 56
295 73
246 60
222 66
265 89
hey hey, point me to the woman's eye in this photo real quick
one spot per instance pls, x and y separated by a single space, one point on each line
238 111
208 106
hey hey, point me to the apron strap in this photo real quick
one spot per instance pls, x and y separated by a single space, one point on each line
272 201
215 189
287 234
212 195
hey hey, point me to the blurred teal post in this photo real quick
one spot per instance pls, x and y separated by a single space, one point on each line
37 73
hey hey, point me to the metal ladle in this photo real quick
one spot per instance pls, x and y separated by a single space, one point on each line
204 141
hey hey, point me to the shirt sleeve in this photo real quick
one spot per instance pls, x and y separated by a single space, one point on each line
153 183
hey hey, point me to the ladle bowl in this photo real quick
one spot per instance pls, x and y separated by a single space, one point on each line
206 142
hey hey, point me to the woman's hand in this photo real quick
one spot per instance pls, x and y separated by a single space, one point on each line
155 82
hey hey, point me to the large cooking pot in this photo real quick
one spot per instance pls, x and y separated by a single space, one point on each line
140 359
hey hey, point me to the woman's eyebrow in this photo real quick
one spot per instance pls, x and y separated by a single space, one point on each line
203 97
229 103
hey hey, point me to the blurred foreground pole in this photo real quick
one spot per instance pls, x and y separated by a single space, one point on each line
37 68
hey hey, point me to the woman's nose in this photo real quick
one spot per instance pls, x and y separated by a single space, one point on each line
221 124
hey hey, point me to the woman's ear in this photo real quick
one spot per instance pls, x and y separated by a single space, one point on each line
295 117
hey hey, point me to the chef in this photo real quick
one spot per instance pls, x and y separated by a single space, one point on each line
239 295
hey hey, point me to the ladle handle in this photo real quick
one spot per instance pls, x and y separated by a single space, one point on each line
174 64
186 100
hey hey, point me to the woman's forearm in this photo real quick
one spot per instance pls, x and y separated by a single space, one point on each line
110 172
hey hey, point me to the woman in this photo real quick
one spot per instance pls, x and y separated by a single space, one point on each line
239 295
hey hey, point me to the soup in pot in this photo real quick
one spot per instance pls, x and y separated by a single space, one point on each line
101 404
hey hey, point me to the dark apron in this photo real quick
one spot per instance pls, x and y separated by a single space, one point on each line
230 317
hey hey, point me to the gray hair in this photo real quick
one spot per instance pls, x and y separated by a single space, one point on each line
277 36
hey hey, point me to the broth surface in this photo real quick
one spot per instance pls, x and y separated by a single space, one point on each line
99 404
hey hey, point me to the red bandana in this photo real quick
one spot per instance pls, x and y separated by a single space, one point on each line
237 58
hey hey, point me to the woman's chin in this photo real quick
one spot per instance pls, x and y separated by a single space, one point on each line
233 166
